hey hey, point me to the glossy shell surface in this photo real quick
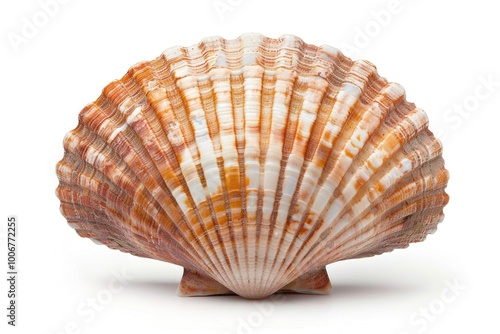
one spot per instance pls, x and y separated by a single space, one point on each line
253 163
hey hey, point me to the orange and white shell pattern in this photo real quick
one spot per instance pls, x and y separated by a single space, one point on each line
253 163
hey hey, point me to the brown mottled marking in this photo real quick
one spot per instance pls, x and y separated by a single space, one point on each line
232 179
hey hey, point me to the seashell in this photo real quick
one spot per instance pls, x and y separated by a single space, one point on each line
253 163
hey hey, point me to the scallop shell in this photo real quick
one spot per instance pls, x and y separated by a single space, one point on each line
253 163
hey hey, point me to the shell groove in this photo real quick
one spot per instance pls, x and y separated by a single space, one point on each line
253 163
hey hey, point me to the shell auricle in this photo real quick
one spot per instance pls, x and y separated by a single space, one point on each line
253 163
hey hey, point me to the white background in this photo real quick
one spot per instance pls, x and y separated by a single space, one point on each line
441 53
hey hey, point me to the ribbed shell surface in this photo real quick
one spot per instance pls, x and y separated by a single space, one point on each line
253 161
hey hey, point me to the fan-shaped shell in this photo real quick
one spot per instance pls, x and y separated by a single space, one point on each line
253 163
